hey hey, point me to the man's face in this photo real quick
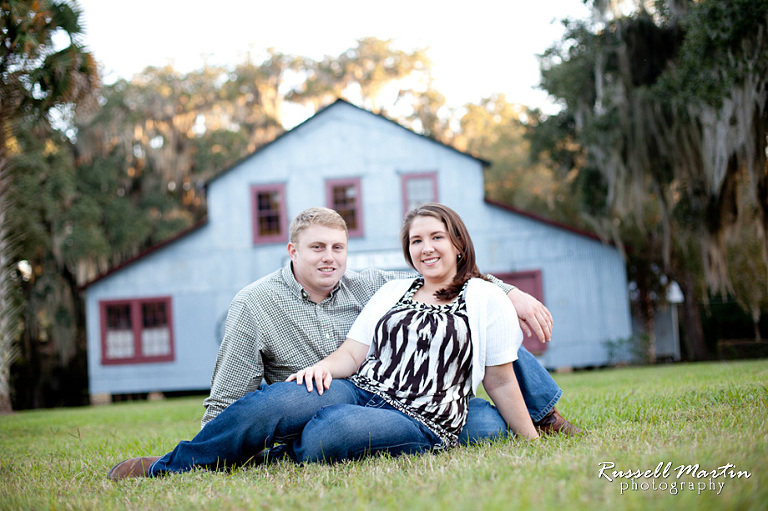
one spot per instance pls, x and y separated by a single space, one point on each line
319 259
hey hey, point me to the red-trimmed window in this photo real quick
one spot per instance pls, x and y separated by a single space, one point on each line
270 224
343 196
530 282
419 189
136 331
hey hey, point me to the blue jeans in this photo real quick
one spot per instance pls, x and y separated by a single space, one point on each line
344 423
277 413
540 392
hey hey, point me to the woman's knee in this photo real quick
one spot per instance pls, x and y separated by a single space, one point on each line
350 432
484 422
324 436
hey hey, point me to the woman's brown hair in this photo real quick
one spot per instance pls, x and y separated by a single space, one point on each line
466 267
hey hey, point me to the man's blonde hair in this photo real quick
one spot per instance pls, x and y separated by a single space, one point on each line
316 216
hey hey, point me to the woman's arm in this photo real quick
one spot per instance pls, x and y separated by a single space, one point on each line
341 363
501 385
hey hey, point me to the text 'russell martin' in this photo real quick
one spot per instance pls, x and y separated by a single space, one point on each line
698 480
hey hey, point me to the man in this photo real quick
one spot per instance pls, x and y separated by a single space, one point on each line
298 315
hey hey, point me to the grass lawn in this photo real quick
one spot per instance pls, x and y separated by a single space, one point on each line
711 414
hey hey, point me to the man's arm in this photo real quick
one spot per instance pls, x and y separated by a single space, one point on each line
375 278
238 369
534 317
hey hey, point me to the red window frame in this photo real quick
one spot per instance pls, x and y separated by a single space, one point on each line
421 175
137 320
530 282
258 214
355 228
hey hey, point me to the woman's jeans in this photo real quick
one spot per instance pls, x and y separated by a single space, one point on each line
354 425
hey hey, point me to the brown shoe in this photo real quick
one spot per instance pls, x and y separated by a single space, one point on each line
134 467
553 424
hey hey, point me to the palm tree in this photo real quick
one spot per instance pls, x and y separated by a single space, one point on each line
36 77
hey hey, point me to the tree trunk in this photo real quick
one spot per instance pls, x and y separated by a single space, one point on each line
648 314
76 367
8 310
693 332
5 404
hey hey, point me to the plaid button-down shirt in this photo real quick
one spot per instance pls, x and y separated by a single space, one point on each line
274 329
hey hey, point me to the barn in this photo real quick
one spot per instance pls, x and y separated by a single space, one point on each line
154 324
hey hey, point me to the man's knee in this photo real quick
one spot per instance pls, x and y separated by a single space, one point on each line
289 396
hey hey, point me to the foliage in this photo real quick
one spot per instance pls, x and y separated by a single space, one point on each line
637 418
36 77
53 228
430 116
367 69
748 274
494 129
665 111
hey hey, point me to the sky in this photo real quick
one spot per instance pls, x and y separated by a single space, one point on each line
477 47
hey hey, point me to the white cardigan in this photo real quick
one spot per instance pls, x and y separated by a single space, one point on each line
493 323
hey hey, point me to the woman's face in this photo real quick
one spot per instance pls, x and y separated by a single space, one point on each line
432 252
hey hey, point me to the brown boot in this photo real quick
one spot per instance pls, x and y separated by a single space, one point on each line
134 467
553 423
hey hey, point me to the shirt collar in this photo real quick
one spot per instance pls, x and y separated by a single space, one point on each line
295 287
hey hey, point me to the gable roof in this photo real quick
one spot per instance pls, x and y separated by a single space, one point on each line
320 113
545 220
144 253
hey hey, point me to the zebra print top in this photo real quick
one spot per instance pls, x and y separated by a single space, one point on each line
421 362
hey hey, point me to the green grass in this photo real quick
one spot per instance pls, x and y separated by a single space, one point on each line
710 413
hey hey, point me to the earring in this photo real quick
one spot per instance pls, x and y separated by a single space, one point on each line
458 257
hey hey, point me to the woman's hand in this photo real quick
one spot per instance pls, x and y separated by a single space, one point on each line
319 374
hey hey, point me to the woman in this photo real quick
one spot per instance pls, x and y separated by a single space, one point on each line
418 351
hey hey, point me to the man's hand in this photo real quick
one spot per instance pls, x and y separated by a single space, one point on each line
318 373
534 317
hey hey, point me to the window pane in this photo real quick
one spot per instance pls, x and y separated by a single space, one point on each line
154 314
119 340
344 202
420 190
120 344
119 317
269 212
155 342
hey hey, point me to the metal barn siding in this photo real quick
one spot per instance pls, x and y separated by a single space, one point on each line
584 283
